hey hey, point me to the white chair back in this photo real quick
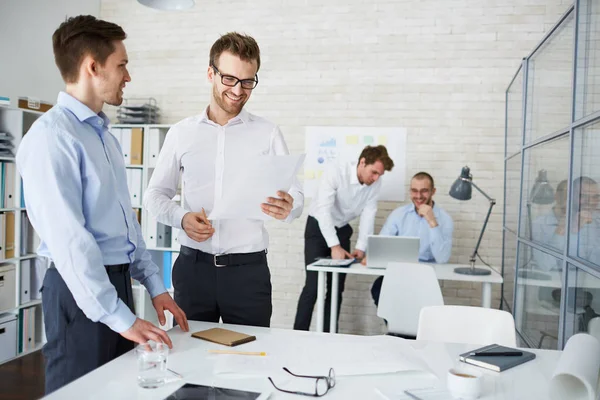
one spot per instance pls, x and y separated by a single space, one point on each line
407 287
463 324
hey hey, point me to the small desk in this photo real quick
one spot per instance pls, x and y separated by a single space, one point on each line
444 272
116 380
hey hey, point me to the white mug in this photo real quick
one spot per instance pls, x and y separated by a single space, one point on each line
464 384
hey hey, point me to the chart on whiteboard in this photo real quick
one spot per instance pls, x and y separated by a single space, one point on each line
326 144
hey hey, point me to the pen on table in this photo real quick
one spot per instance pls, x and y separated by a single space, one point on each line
242 353
412 396
175 373
498 353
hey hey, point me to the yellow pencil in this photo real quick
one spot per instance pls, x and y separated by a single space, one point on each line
242 353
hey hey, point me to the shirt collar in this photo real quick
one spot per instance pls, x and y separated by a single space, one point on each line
80 110
243 116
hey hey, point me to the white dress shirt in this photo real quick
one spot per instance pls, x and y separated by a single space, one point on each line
341 198
202 150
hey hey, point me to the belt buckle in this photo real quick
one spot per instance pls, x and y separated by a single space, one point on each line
215 261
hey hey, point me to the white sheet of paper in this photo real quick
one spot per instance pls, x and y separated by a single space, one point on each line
247 185
370 355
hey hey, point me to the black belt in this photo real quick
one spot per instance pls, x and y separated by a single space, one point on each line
225 260
119 268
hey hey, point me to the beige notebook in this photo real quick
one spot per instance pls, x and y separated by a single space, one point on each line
223 336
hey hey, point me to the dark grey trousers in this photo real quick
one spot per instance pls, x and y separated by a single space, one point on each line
239 294
75 344
315 247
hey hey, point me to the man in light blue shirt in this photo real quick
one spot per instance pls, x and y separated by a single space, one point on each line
78 202
423 219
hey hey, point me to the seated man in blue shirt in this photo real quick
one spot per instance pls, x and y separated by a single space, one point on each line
423 219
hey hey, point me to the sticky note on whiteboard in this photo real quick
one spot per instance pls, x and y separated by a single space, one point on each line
367 140
382 140
353 139
309 174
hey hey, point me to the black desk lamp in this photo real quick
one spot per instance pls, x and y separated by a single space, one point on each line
461 190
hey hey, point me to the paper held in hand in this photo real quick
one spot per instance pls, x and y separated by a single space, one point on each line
247 185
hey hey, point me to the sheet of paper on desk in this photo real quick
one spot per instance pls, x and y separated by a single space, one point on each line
347 355
247 185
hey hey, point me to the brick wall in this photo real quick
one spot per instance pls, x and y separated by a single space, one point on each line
437 68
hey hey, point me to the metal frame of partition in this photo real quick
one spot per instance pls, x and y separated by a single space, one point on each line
574 124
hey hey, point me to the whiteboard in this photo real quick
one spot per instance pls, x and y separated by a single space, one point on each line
327 144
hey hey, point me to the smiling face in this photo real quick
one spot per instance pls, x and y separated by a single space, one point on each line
421 192
231 100
112 76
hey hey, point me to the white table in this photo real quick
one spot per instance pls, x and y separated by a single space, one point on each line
444 272
117 379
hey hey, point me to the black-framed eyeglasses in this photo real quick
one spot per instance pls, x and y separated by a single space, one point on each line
322 384
232 81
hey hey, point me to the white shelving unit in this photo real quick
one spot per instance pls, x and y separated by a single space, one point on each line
161 241
21 322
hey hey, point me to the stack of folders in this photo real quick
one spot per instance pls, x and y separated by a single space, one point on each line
6 145
496 358
26 329
138 114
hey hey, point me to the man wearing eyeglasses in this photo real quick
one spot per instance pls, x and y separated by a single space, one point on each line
424 219
222 270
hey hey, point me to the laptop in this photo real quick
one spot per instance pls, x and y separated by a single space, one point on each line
382 250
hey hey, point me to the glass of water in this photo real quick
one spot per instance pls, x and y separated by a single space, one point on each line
152 364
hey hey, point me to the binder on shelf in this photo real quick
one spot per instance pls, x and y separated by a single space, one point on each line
155 142
2 184
167 269
22 195
9 235
174 239
151 232
25 281
163 235
9 173
126 144
137 145
135 188
2 236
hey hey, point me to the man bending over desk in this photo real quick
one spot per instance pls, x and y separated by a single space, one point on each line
423 219
346 191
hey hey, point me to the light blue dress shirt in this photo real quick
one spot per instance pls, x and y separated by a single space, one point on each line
435 243
77 200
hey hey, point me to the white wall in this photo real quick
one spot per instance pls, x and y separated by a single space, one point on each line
27 64
439 68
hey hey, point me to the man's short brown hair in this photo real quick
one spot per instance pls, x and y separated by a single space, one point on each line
424 175
243 46
79 36
372 154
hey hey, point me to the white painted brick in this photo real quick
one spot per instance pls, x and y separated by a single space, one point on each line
440 69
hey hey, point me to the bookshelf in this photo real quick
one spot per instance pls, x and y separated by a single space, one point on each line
21 271
161 240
